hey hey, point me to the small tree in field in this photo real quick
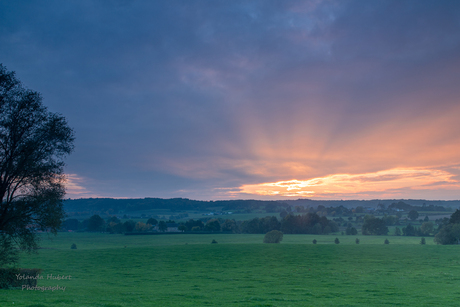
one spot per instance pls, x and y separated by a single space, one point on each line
423 241
274 236
314 241
336 241
386 241
357 241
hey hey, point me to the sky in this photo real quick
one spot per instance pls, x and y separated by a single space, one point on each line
212 100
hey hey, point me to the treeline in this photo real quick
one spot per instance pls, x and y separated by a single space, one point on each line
110 206
309 223
115 206
406 207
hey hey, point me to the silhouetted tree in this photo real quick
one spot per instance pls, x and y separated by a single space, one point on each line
412 215
374 226
230 226
455 217
95 223
409 230
162 226
212 225
129 225
33 144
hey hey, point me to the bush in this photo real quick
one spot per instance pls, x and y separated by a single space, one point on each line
357 241
336 241
73 246
314 241
422 241
386 241
8 278
274 236
214 242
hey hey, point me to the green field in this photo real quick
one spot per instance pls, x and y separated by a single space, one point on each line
186 270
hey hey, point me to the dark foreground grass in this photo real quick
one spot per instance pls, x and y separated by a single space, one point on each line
242 274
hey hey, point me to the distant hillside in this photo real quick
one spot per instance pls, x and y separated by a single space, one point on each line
116 206
371 203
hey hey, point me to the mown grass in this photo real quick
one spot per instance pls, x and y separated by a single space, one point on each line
186 270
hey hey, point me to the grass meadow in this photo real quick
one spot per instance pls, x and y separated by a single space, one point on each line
186 270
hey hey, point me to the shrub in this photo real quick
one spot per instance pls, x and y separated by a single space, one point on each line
214 242
73 246
357 241
422 241
314 241
336 241
386 241
274 236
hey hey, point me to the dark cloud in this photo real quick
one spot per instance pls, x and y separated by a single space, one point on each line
185 97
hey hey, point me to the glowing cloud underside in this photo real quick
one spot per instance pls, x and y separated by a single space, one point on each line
384 183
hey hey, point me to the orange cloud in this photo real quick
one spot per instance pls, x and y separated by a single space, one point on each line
383 183
74 185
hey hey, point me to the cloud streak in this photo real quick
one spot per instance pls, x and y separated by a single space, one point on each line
381 184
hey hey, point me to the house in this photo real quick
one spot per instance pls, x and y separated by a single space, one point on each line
172 227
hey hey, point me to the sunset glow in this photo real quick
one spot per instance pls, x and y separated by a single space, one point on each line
248 99
383 183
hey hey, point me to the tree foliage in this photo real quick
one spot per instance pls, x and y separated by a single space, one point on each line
374 226
450 232
413 215
274 236
95 223
33 144
426 228
351 231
